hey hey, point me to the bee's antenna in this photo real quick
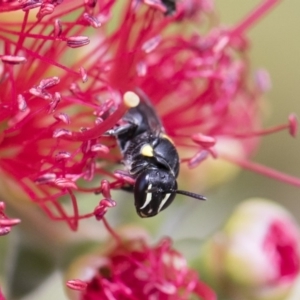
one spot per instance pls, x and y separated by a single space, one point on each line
185 193
190 194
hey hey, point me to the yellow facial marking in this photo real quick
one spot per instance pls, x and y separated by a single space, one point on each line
131 99
147 150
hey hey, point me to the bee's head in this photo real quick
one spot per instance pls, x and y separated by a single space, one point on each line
154 191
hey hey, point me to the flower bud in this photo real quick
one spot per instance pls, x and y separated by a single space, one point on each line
256 255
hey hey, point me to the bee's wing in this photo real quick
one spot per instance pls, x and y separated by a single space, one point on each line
146 109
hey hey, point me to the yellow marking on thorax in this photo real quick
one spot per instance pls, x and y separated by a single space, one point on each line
165 136
147 150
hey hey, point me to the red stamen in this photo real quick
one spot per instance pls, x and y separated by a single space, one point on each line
266 171
112 232
291 126
76 284
253 17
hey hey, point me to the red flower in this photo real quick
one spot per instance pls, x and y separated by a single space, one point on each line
133 270
6 223
58 101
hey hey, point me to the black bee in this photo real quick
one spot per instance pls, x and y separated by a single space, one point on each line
150 157
170 6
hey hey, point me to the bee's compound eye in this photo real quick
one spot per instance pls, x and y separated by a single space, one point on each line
152 192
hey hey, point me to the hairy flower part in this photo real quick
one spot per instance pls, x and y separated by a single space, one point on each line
6 223
66 67
133 270
257 253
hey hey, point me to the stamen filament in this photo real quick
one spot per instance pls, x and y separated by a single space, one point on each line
266 171
111 231
253 17
271 130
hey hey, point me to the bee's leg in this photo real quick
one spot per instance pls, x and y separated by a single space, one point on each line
124 133
126 128
138 165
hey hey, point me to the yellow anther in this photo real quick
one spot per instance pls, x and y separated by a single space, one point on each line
147 150
131 99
